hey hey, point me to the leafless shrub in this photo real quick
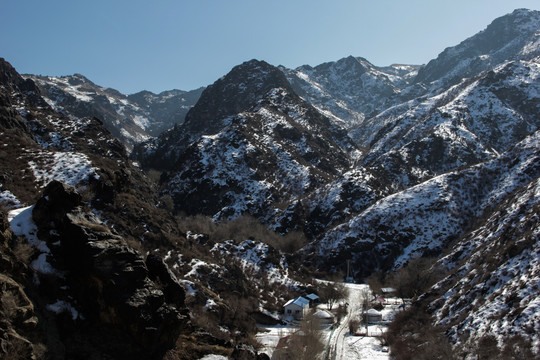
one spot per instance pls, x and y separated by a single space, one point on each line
518 347
154 175
382 339
354 324
199 224
94 226
487 348
166 202
188 347
375 281
341 312
39 350
17 348
243 228
23 252
413 336
135 245
412 279
209 322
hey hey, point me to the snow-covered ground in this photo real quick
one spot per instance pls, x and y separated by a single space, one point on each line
269 337
214 357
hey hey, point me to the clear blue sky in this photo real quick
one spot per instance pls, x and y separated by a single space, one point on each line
134 45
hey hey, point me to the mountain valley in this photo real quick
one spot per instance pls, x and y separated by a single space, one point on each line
173 224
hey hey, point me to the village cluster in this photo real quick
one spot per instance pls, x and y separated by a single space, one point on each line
372 317
298 307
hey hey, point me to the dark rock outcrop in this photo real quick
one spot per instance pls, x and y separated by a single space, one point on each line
19 334
137 303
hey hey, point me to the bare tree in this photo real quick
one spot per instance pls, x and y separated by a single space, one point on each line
331 293
353 325
364 306
341 312
412 279
364 299
307 343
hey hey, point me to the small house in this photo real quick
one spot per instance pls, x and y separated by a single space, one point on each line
296 308
373 316
313 299
326 317
388 291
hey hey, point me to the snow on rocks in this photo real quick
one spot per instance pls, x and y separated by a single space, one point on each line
8 200
469 123
68 167
61 306
493 286
22 225
424 218
200 267
189 286
259 257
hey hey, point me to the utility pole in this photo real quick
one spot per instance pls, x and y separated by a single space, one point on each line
349 278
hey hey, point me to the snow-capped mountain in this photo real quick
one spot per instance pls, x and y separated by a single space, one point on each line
83 246
471 122
351 89
377 166
131 118
497 261
511 37
436 158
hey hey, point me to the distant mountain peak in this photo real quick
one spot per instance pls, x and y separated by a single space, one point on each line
235 92
507 38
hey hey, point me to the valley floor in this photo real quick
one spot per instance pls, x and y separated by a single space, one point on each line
339 343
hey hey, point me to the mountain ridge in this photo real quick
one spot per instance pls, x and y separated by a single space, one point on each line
131 118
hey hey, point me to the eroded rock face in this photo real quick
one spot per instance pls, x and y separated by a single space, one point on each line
113 289
19 338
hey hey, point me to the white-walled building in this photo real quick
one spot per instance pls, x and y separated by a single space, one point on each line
296 308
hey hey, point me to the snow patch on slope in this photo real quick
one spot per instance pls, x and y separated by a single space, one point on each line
71 168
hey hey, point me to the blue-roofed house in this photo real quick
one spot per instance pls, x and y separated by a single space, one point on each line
296 307
313 299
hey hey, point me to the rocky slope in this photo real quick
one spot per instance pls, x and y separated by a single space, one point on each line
492 289
19 329
424 219
131 118
108 299
80 272
471 122
248 153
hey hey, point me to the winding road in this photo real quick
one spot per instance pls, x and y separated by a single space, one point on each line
336 346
